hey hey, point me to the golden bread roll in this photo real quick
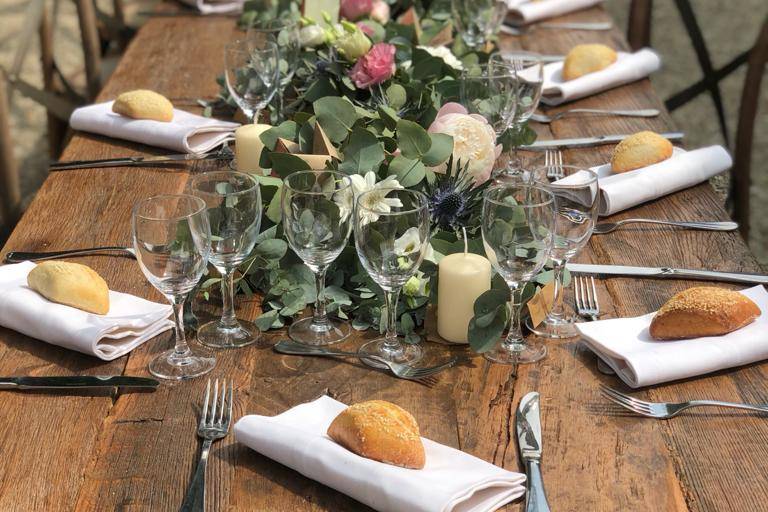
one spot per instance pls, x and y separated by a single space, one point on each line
380 431
71 284
587 58
640 150
702 311
144 104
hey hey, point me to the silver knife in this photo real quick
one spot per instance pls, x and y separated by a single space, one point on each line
138 160
588 142
668 273
76 381
528 423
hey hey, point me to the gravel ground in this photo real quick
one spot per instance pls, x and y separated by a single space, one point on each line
726 33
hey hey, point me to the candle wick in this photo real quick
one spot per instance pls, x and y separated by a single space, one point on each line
466 245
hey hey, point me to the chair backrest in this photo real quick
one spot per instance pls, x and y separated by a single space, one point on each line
10 191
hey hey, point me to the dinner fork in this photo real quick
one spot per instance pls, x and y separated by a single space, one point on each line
19 256
544 118
607 227
517 30
553 161
210 429
665 410
588 306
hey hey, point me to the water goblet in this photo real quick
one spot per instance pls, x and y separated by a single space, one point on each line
478 20
171 237
489 92
517 223
233 201
317 225
252 74
391 237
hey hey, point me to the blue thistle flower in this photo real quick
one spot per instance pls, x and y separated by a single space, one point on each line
453 198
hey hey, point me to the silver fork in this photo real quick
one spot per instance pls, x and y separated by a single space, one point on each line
518 30
210 429
664 410
543 118
588 306
553 161
19 256
607 227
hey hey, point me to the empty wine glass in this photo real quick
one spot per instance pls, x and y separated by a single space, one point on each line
234 213
478 20
577 195
317 225
490 93
252 74
517 222
391 236
171 237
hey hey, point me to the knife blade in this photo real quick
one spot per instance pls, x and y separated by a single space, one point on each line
76 381
528 425
138 160
667 273
588 142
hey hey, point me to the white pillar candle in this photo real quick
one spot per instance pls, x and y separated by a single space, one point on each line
248 146
462 278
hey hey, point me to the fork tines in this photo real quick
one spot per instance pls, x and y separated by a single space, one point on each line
626 401
585 295
222 403
553 162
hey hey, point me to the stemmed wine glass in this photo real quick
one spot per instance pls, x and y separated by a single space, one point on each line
577 196
252 74
478 20
392 237
171 237
317 227
234 213
490 93
517 223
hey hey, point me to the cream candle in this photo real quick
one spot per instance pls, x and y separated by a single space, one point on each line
248 146
462 278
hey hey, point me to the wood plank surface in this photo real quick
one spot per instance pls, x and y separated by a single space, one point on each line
137 451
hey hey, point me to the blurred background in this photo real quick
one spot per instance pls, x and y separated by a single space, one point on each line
728 29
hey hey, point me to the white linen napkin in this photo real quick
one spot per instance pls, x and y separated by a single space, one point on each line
130 322
523 12
628 67
186 133
213 7
451 481
639 360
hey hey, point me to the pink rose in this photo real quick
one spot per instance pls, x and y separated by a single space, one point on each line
380 11
375 67
474 140
355 9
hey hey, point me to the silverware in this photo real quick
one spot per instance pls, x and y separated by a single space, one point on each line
665 410
403 371
528 424
519 30
553 161
19 256
667 273
76 381
588 142
588 306
543 118
607 227
139 160
210 429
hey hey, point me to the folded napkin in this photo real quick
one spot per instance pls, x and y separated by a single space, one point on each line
639 360
216 7
450 481
627 68
524 12
187 133
130 322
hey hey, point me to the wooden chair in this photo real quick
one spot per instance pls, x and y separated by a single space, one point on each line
10 192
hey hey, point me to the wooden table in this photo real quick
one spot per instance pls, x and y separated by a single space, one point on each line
137 451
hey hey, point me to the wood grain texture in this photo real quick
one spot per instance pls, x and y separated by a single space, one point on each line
137 451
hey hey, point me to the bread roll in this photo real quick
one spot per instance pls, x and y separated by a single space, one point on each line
380 431
640 150
143 104
587 58
71 284
703 311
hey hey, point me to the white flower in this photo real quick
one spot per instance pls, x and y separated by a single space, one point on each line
376 200
416 286
410 242
444 53
311 36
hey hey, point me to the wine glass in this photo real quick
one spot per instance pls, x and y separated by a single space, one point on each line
317 225
517 223
478 20
490 93
392 237
577 197
234 214
171 237
252 73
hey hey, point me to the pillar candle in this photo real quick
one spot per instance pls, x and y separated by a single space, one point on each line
248 146
462 278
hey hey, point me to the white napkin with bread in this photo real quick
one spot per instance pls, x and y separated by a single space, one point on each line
628 67
216 7
524 12
639 360
450 481
186 133
130 321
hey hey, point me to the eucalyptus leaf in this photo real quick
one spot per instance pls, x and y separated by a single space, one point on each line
408 172
413 140
336 115
439 151
491 316
363 153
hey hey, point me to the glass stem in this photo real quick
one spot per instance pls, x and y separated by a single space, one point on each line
320 317
390 338
557 312
181 349
514 162
228 318
515 335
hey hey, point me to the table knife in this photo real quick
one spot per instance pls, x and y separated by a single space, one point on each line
588 142
528 424
138 160
76 381
667 273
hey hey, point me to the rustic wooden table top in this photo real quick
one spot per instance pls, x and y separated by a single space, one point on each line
137 451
